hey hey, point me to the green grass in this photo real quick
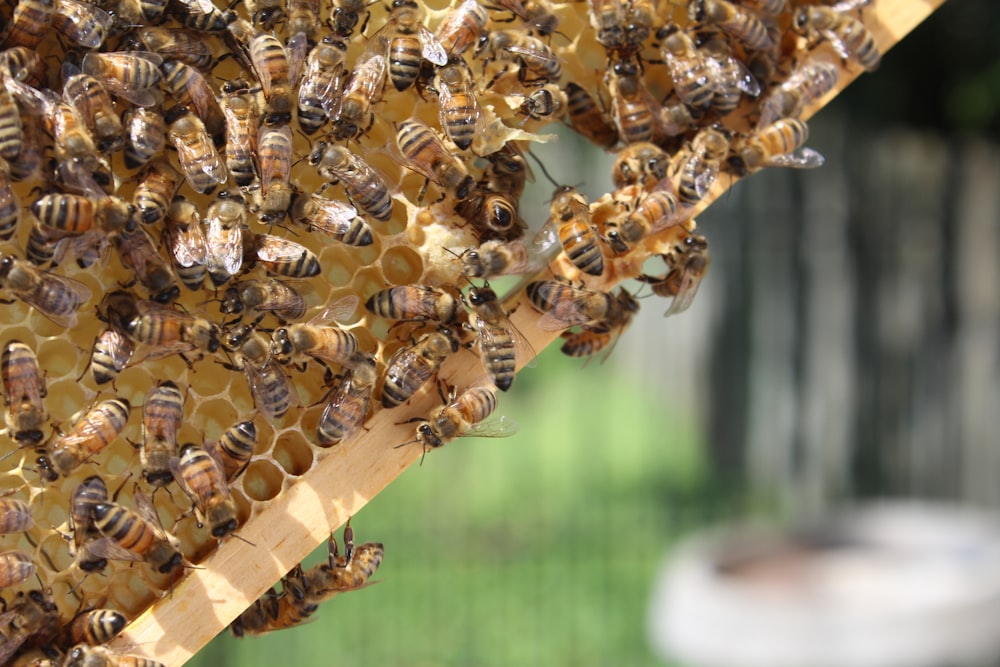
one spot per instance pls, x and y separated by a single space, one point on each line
538 549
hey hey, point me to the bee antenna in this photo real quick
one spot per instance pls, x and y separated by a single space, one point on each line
544 170
243 539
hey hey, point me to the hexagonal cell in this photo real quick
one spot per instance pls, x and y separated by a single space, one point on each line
338 266
58 357
262 480
129 594
292 453
66 398
402 265
50 509
213 417
53 553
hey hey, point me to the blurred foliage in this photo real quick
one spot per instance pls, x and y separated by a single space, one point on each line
944 76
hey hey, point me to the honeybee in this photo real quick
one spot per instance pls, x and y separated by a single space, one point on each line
571 214
272 390
587 118
277 71
166 331
426 154
564 306
162 414
808 82
463 416
82 23
607 17
460 29
699 172
336 219
201 163
204 481
507 172
266 14
362 90
133 75
23 393
83 655
676 118
72 140
347 406
602 335
154 192
10 126
97 428
501 345
655 212
532 56
739 23
180 45
238 35
15 516
635 111
24 64
493 214
415 302
28 24
233 450
189 88
200 15
304 591
138 254
366 187
303 17
321 84
545 102
111 353
847 35
409 42
643 164
411 367
280 256
94 627
145 136
777 145
516 257
28 163
10 205
320 338
32 616
15 567
732 77
687 264
345 16
458 110
274 153
226 218
260 297
536 14
93 102
56 297
140 533
694 78
89 547
186 241
239 106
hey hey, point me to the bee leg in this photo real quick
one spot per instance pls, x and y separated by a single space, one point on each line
348 543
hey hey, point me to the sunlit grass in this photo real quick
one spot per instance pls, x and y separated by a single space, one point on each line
533 550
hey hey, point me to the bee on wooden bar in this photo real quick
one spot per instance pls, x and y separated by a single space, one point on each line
780 144
84 655
571 214
687 264
501 345
564 306
412 366
655 212
808 82
700 170
643 164
347 406
94 627
204 481
848 35
602 335
463 415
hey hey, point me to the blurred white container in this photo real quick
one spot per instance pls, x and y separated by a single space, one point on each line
886 585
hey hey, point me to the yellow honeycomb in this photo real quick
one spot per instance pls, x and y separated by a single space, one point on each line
294 492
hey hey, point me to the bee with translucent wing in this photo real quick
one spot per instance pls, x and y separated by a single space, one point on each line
462 415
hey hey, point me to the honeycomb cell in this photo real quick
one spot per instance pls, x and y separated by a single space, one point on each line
131 594
65 399
262 480
292 453
49 509
338 266
214 416
402 265
53 552
58 356
244 510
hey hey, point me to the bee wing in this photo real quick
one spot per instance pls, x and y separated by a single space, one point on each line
263 73
224 248
504 427
71 294
90 23
75 178
143 97
38 102
564 315
848 5
803 158
738 75
106 547
373 77
488 336
297 48
187 244
336 217
430 48
348 393
118 346
144 508
837 43
268 176
341 310
268 382
532 54
270 248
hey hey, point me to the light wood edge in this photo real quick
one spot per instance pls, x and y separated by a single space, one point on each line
345 478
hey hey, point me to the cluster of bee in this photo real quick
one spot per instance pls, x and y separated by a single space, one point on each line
279 180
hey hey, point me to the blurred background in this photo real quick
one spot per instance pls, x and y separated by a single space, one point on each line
845 345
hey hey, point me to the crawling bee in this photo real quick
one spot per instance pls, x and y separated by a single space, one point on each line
501 345
347 406
23 393
272 390
412 366
140 533
97 428
463 415
56 297
162 415
204 481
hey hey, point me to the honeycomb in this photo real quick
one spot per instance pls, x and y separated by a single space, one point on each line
294 492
